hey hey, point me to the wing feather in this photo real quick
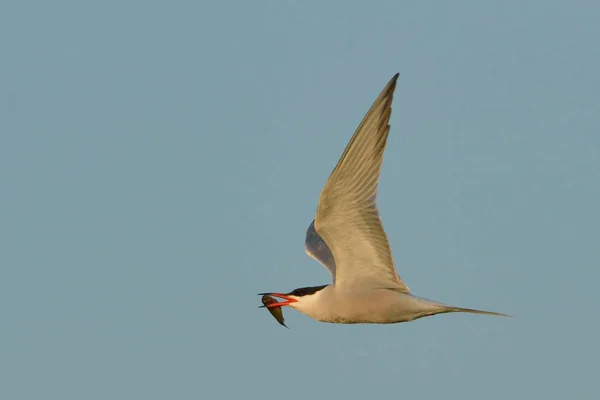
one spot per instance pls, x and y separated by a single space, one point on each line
315 246
347 219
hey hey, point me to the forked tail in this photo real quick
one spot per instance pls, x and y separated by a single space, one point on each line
473 311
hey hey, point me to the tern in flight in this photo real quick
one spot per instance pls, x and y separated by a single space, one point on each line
347 237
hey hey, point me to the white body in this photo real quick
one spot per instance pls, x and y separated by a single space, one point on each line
378 306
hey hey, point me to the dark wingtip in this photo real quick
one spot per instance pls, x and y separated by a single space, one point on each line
388 91
392 84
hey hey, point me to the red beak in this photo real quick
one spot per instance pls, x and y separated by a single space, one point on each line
287 302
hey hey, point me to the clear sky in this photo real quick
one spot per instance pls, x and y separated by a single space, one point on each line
161 161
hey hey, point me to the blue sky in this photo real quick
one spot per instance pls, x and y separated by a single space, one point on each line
160 162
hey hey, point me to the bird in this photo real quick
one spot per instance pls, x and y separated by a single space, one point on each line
348 239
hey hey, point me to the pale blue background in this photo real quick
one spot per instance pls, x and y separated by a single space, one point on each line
160 162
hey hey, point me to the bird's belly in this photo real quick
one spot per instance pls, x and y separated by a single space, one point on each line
380 306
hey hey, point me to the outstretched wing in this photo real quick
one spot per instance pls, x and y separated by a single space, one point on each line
315 246
347 217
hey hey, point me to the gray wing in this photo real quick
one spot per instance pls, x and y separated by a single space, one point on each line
315 246
347 217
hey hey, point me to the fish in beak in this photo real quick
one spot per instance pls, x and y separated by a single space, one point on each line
271 304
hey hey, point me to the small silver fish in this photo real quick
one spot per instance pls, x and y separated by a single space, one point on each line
276 312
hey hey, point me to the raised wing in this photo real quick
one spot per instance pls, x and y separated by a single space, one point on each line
315 246
347 217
